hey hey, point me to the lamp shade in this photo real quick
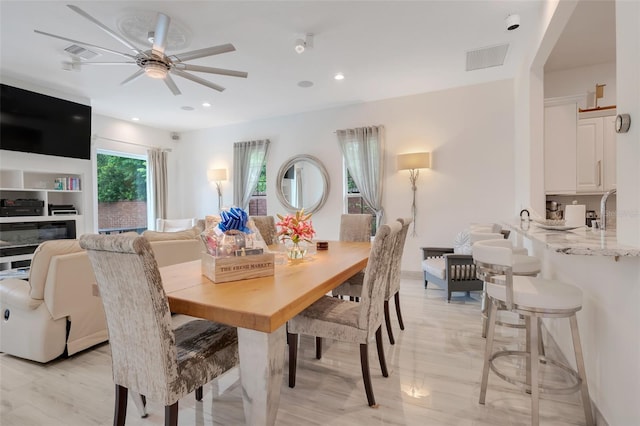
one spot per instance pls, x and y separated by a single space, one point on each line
415 160
217 175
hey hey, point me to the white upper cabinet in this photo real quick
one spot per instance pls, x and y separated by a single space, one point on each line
596 154
560 148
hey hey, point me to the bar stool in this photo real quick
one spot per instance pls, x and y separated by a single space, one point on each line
533 298
523 264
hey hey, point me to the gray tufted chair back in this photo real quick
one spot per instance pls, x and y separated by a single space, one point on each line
355 227
143 347
267 227
396 259
375 277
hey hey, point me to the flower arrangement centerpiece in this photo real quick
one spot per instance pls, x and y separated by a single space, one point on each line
296 228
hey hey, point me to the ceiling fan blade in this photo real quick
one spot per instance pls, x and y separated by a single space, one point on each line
160 33
210 70
133 77
104 63
105 29
172 85
201 53
197 79
82 43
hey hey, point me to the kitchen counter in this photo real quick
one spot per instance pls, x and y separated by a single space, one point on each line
582 241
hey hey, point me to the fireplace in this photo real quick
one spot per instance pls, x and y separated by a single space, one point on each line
19 238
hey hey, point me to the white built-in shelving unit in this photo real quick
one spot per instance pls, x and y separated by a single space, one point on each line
23 184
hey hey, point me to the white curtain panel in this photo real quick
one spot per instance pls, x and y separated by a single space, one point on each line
363 151
157 164
248 158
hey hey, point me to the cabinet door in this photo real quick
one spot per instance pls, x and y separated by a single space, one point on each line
609 159
560 148
589 155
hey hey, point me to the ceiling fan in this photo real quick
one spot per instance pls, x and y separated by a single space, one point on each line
155 63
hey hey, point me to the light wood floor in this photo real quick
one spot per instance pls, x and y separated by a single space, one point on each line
435 368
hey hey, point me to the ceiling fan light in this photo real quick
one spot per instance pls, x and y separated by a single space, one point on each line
155 70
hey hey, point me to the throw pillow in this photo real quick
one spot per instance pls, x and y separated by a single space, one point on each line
462 243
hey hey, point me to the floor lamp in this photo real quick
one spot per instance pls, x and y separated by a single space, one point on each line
217 176
414 162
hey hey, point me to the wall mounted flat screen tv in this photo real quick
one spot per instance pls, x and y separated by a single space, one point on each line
41 124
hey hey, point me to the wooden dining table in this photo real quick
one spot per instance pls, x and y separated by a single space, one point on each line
260 308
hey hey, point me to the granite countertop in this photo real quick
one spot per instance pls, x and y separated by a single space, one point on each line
581 241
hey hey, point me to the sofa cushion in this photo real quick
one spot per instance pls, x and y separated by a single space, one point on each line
189 234
435 266
41 260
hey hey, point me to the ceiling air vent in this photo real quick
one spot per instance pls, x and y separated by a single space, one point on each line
80 52
486 57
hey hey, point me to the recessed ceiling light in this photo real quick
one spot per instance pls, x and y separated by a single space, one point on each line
305 83
135 119
339 76
206 104
187 108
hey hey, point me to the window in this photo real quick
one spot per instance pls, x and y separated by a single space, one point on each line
355 202
258 200
122 192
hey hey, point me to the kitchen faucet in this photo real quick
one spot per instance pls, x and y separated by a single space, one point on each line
603 209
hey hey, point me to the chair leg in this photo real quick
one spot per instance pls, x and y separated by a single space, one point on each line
584 388
171 414
540 341
381 358
529 359
488 351
535 364
199 393
120 413
484 309
387 321
293 358
397 300
318 347
364 362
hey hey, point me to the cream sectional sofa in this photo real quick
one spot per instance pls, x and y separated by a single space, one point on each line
56 311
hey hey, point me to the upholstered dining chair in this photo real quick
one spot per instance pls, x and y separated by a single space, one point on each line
353 287
147 355
347 321
267 227
355 227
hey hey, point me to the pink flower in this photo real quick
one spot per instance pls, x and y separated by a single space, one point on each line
296 228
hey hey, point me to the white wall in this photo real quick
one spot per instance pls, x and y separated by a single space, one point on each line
582 81
468 130
628 101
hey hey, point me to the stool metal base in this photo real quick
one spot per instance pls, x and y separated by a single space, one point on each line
532 382
542 360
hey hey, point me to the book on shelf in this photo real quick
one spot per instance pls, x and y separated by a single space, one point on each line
67 183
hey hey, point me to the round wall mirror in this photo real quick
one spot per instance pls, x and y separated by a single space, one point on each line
302 183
